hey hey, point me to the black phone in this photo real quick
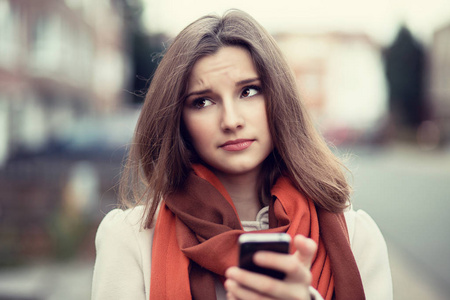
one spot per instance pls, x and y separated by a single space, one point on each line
249 243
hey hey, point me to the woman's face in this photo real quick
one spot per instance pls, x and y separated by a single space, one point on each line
225 112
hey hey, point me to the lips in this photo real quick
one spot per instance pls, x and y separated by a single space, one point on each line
237 145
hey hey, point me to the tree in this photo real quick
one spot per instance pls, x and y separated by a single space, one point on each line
405 66
145 49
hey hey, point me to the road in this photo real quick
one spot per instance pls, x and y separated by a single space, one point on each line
407 192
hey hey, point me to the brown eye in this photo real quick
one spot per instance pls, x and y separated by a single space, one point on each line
249 92
201 103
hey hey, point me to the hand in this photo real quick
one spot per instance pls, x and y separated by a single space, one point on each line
242 284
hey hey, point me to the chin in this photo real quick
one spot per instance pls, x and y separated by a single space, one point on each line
239 169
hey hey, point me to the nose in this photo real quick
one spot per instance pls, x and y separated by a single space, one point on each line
232 118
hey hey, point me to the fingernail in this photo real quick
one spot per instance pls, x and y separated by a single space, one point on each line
259 257
228 283
231 271
301 237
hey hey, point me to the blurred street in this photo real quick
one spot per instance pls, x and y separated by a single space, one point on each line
406 192
47 281
403 188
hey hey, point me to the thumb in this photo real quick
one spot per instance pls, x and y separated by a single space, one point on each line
305 249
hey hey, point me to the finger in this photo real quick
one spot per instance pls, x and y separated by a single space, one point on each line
244 284
281 262
249 282
295 270
236 291
306 248
230 296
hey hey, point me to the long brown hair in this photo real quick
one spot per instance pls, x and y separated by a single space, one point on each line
160 156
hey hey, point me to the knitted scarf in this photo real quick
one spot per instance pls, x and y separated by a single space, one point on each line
196 235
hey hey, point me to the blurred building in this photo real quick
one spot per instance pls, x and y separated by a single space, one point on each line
439 81
341 79
64 67
59 59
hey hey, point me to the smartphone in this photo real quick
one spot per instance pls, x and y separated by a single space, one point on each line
249 243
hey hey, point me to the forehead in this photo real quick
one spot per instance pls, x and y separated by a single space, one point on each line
233 63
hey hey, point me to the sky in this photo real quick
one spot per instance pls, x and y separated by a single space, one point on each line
380 19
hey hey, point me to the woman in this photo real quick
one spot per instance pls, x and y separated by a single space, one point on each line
224 145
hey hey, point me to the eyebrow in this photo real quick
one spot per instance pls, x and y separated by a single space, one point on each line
242 82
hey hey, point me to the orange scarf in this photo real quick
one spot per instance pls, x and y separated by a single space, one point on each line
196 234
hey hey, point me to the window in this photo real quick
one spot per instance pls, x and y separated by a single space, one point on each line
9 34
46 42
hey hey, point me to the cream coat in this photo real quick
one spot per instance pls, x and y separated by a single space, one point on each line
123 263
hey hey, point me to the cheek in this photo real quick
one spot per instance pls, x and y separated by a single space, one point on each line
265 130
198 133
260 117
